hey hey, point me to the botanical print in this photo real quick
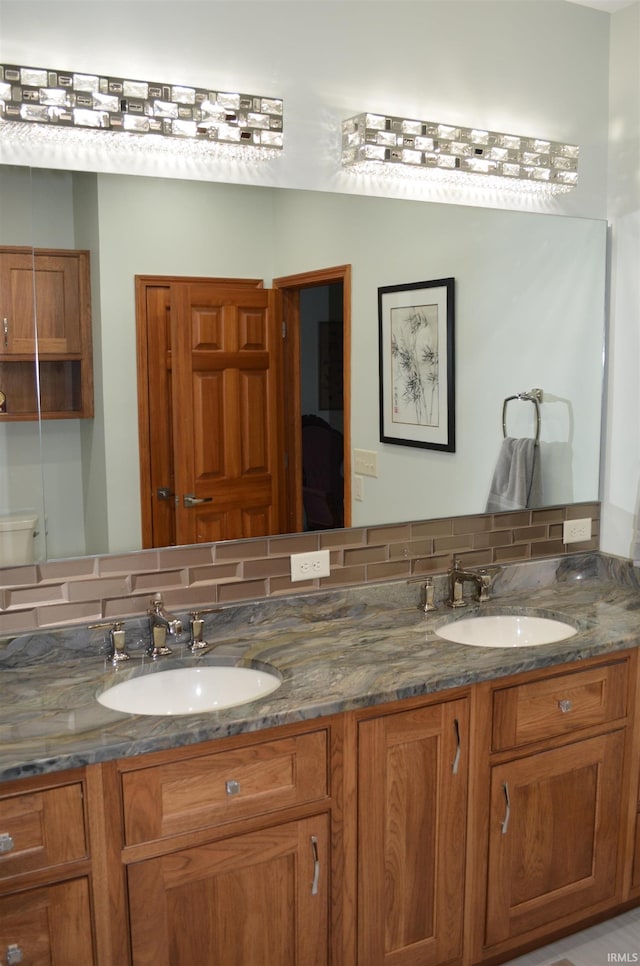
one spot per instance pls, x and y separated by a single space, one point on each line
414 365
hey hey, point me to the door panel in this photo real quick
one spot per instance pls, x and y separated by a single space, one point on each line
212 368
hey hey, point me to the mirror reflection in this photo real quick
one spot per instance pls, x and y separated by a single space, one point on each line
529 299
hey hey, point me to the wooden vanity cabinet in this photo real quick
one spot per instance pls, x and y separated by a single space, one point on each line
45 320
227 849
412 807
45 873
549 839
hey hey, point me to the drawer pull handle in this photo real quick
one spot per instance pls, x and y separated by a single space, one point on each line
6 843
456 760
316 866
233 787
14 954
507 808
565 705
5 327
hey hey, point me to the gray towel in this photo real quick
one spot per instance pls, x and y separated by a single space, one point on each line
516 479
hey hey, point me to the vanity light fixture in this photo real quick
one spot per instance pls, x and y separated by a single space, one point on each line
377 144
61 105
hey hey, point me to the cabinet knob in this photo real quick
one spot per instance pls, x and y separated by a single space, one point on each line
233 787
565 705
6 843
14 954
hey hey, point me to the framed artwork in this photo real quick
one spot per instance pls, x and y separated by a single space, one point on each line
417 364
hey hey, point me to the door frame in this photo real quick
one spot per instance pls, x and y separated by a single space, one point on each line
290 287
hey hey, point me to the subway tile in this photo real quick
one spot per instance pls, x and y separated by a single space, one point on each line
41 594
243 590
334 539
213 572
365 555
98 588
472 524
68 569
268 567
344 577
460 542
296 543
431 565
386 534
70 613
17 622
18 576
129 563
579 511
410 549
158 581
238 550
495 538
551 548
520 518
548 515
510 554
524 534
389 570
432 528
173 558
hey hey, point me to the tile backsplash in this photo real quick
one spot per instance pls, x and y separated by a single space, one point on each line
119 585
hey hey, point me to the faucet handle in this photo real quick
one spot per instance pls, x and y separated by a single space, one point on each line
486 579
196 627
427 602
117 643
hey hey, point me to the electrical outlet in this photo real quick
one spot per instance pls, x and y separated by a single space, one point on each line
574 531
365 462
358 493
308 566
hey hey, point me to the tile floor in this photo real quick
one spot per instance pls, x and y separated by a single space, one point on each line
614 941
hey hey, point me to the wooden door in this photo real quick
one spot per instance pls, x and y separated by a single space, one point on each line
48 925
259 899
553 839
225 417
412 800
208 376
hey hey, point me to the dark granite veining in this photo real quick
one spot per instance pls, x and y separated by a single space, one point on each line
335 651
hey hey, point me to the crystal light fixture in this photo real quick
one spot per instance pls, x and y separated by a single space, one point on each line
376 143
57 103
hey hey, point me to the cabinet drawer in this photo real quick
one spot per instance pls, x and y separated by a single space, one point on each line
558 705
213 789
41 829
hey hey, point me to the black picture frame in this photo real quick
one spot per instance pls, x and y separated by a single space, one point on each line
417 364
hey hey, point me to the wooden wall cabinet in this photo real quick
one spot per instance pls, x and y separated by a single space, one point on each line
45 319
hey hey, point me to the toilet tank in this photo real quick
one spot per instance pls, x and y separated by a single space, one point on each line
16 538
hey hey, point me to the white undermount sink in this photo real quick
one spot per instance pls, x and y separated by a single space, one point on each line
192 690
506 630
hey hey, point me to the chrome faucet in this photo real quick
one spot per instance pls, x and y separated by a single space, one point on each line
161 624
458 576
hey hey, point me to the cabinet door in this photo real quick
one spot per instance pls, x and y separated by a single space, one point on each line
553 837
43 294
259 899
48 925
412 799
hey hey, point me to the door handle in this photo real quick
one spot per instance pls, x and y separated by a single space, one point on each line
190 499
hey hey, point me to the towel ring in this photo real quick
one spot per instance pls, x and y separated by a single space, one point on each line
534 396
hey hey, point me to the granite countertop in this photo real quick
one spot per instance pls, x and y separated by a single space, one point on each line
335 651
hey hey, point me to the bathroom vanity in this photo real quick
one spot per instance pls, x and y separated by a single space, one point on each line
399 799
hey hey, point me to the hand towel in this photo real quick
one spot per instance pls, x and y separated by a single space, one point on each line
516 480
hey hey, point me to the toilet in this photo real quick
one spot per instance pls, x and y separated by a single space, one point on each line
16 539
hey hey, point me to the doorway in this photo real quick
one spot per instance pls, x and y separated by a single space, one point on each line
209 430
316 310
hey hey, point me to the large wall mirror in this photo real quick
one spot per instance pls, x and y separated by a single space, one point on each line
530 311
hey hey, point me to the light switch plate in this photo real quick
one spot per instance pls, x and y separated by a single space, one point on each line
365 462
